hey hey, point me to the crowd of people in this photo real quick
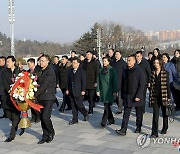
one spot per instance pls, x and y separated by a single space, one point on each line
83 78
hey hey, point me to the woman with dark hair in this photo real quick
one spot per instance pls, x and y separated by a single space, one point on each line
159 96
170 68
107 89
176 61
156 54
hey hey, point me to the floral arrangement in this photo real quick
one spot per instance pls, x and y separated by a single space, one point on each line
19 92
23 90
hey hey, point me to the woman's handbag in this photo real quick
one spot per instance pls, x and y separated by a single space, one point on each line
170 112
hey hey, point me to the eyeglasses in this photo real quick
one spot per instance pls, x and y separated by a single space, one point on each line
42 61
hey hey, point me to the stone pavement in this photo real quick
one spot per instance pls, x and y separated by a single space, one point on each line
87 137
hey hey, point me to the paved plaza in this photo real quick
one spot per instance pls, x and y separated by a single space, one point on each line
88 137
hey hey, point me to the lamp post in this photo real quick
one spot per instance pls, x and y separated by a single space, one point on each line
99 43
11 21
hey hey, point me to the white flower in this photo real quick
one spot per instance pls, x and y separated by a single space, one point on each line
32 77
35 89
34 83
20 74
21 98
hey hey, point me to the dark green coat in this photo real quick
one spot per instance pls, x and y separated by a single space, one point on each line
107 85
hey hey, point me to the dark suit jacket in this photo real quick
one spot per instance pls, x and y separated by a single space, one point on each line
47 82
134 83
144 65
76 82
8 78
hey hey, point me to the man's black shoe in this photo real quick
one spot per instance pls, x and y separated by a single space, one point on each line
121 132
4 116
163 131
42 141
153 136
9 139
61 110
102 126
138 130
118 112
86 118
22 131
73 122
50 139
90 112
38 120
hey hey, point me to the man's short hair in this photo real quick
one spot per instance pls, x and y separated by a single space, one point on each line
64 56
133 56
119 52
76 58
73 51
56 57
2 57
31 60
12 58
139 52
46 56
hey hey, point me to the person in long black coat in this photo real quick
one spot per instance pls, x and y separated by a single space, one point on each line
8 78
92 69
2 67
145 67
134 83
63 76
76 88
45 96
120 66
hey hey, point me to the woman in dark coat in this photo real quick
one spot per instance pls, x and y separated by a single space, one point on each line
107 89
176 61
170 68
160 96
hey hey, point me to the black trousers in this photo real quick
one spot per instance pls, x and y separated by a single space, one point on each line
14 116
35 114
90 97
107 114
4 114
144 98
66 100
126 115
119 101
155 122
45 117
77 105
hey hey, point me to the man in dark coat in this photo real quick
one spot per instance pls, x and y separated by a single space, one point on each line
119 65
76 88
92 69
32 69
46 97
146 69
63 76
8 78
2 67
111 55
134 84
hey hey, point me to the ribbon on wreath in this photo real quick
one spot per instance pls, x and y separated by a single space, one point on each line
25 85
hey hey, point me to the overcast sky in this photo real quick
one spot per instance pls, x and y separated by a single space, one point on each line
66 20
